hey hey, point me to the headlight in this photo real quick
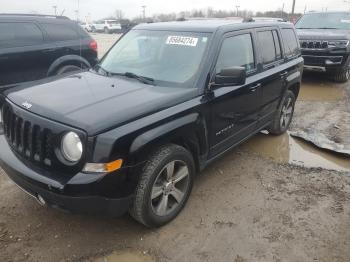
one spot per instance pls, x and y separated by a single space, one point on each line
338 43
72 147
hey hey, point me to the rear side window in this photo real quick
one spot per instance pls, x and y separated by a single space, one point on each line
58 32
290 42
20 34
270 49
236 51
276 39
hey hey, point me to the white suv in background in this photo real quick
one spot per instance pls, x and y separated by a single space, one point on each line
107 26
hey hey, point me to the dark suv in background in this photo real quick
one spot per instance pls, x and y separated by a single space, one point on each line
36 46
166 100
324 40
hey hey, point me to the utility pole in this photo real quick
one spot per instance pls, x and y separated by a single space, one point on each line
282 10
293 7
305 9
144 11
237 7
78 10
55 8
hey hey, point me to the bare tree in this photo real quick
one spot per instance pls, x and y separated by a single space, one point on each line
197 13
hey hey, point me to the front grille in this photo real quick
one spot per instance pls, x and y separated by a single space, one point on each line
314 44
29 140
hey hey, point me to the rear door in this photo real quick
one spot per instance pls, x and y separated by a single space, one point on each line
273 83
22 50
234 109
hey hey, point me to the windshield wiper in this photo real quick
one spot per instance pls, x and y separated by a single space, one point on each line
98 68
143 79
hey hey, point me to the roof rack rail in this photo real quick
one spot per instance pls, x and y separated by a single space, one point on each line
264 19
34 15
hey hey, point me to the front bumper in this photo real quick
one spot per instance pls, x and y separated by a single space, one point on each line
322 58
76 195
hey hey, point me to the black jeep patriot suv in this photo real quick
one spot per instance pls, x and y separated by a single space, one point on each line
36 46
324 40
166 100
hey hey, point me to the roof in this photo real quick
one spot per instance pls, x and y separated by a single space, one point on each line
328 12
33 17
206 25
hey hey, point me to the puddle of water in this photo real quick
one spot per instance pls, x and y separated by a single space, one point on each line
320 92
285 149
125 257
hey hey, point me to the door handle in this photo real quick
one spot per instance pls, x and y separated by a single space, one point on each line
283 75
254 88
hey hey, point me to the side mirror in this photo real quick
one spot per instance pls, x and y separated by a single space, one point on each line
231 76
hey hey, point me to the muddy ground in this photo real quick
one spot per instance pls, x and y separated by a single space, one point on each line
260 202
325 108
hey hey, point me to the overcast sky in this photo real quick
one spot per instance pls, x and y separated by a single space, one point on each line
132 8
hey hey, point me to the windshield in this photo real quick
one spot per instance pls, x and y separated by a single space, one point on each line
169 58
324 21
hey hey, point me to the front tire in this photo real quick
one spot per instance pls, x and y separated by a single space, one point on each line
164 186
341 75
283 116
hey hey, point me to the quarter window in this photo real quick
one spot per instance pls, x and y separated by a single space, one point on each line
19 34
236 51
60 32
290 42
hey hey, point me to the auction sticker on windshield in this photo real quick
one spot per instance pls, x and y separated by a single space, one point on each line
182 40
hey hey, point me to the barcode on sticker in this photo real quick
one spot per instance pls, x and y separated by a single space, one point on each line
182 40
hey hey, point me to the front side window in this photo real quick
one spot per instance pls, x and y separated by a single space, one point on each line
19 34
324 21
236 51
170 58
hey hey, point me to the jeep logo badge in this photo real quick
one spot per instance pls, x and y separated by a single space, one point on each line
27 105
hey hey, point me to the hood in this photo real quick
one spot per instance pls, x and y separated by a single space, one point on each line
323 34
95 103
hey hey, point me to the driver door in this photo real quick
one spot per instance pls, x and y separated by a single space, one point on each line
234 109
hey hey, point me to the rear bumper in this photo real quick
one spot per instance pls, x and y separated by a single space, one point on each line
60 195
115 30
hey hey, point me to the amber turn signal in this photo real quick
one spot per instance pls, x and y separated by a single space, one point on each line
103 167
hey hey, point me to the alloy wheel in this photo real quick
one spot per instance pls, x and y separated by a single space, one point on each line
286 114
170 187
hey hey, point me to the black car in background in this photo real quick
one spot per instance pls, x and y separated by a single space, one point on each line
36 46
324 40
